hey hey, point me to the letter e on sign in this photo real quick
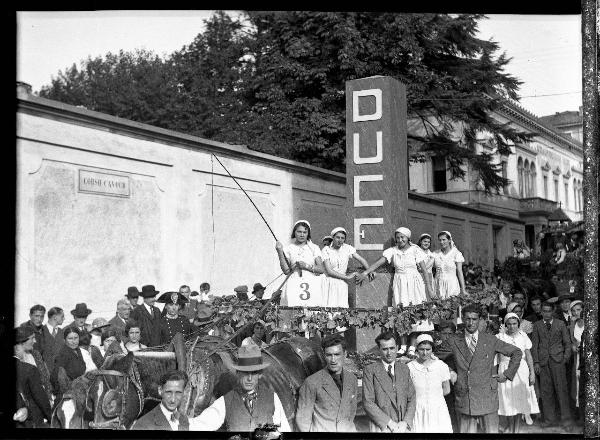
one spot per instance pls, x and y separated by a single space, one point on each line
356 116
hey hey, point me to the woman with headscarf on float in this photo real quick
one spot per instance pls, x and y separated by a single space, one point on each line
336 257
449 279
304 255
425 244
409 286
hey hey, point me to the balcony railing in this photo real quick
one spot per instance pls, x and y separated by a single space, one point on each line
538 204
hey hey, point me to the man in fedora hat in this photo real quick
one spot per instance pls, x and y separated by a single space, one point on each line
148 317
80 314
257 293
327 399
29 382
172 322
250 404
563 309
98 326
241 292
133 295
166 415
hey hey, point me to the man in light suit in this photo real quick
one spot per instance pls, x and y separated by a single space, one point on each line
388 391
166 415
551 350
476 388
119 321
328 398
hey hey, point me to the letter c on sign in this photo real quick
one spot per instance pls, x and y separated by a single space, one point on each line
356 117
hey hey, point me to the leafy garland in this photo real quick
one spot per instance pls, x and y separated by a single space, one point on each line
234 314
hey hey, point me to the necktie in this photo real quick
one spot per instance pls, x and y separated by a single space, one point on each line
337 378
54 331
473 344
389 371
548 325
175 416
249 400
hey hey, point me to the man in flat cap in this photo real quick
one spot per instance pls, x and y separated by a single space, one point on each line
241 292
147 315
29 382
250 404
133 295
172 322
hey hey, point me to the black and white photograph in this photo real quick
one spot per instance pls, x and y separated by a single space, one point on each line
266 223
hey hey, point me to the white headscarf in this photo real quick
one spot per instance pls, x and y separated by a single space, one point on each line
339 229
449 237
404 231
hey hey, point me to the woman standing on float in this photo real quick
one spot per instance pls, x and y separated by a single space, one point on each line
336 257
449 280
302 253
409 286
425 244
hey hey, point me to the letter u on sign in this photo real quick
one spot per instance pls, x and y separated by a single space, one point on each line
356 150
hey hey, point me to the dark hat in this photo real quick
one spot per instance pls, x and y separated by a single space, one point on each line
194 293
22 334
241 289
564 296
173 298
204 313
148 291
133 292
257 287
250 359
80 311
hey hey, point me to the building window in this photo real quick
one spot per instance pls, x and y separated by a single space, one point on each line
546 187
556 190
532 175
505 175
520 176
439 173
575 198
567 195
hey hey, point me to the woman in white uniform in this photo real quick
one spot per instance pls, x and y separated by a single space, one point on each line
409 286
425 244
336 257
449 280
304 255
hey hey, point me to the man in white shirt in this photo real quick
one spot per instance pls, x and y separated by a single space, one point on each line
250 404
166 415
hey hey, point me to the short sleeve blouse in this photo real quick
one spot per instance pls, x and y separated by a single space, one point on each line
415 251
338 258
306 252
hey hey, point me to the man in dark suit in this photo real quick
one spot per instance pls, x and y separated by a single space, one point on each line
551 350
119 321
476 388
29 382
80 314
36 320
563 309
53 338
327 399
388 392
148 317
133 295
166 415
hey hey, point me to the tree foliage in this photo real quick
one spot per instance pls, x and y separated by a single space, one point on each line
275 81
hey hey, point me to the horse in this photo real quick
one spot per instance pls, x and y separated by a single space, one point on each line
126 386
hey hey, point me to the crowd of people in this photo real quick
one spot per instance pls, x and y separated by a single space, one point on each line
491 369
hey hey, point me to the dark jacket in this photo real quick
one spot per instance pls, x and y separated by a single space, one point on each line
155 420
149 324
51 345
30 385
39 337
169 327
555 344
117 324
383 399
73 364
321 408
476 391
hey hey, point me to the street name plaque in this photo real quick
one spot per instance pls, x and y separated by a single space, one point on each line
93 182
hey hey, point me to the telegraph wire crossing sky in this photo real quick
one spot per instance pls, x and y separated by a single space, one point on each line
545 49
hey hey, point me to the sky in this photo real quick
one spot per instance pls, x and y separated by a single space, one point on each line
545 49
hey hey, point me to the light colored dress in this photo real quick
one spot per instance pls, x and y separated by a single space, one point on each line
516 396
302 290
334 290
408 283
250 341
431 412
429 266
446 281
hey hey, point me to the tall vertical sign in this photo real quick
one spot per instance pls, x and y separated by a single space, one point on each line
376 164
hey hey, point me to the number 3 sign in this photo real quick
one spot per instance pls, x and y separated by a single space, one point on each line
304 290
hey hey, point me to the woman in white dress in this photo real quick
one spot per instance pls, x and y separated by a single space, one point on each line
517 396
258 335
302 255
449 280
336 257
409 286
431 378
576 328
425 244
